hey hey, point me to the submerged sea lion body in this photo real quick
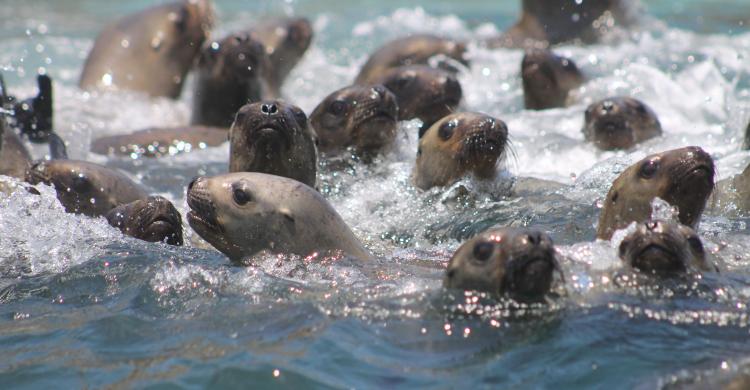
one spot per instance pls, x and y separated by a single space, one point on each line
158 142
510 262
620 123
286 41
458 145
428 94
86 188
241 214
273 137
682 177
548 79
412 50
662 247
150 51
153 219
550 22
231 72
364 118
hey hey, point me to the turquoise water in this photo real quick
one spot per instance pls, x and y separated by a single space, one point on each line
82 306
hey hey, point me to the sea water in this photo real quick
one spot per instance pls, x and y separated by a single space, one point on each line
83 306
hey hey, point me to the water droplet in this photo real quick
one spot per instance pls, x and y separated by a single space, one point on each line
125 43
107 79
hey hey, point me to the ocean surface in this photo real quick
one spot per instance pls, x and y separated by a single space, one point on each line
83 306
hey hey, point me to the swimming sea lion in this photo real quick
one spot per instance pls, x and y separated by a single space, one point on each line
365 118
682 177
86 188
547 79
412 50
15 160
457 145
662 247
153 219
423 92
620 123
158 142
273 137
241 214
150 51
286 41
230 73
512 262
549 22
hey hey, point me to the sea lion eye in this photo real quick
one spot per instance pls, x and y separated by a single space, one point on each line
649 169
483 251
445 132
338 107
419 151
299 116
240 196
640 108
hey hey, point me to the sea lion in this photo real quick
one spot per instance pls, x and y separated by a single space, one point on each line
512 262
682 177
550 22
230 73
150 51
423 92
620 123
273 137
153 219
457 145
411 50
158 142
661 247
86 188
547 79
241 214
286 41
746 143
14 158
364 118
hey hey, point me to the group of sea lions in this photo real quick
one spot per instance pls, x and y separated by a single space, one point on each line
268 199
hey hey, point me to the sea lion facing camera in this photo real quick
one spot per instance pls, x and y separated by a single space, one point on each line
620 123
150 51
364 118
549 22
286 41
241 214
548 79
458 145
86 188
412 50
231 73
423 92
512 262
153 219
683 178
662 247
273 137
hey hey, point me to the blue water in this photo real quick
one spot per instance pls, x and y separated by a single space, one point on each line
83 306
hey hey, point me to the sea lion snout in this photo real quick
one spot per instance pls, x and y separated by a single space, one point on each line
662 248
531 266
620 123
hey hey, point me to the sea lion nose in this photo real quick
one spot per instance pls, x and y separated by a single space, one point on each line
534 238
192 182
608 107
269 109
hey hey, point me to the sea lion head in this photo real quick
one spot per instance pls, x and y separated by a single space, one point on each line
517 263
682 177
457 145
85 188
154 219
297 36
620 123
423 92
273 137
241 214
358 116
412 50
238 56
662 247
547 79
